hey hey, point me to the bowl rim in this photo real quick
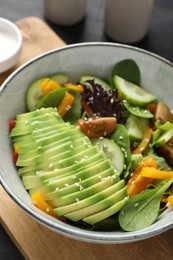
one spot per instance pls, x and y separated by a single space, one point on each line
68 230
18 36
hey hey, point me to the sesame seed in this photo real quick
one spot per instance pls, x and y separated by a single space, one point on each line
77 200
37 173
112 100
81 188
47 209
66 185
50 165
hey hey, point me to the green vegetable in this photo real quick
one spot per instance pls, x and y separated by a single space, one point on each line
132 92
113 152
34 93
54 98
137 110
97 80
120 136
127 69
142 210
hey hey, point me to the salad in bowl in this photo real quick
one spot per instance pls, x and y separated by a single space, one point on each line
93 152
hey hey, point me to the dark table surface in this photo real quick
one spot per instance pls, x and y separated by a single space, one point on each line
158 40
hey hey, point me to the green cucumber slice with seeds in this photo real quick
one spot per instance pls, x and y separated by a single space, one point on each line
135 127
34 93
133 93
97 80
112 151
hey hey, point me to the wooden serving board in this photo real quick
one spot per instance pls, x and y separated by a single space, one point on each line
37 242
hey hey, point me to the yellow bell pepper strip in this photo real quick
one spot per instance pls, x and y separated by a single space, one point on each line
40 202
152 172
144 142
137 183
77 88
16 148
49 85
170 200
65 104
44 206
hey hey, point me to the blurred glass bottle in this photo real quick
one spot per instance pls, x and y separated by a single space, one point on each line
64 12
127 21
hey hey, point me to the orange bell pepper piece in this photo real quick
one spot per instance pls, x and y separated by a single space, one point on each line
137 183
42 204
170 200
152 172
65 104
49 85
144 142
77 88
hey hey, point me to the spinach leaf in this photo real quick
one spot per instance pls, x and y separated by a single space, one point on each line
142 210
54 98
127 69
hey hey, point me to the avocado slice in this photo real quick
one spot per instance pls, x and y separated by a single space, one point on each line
89 214
85 203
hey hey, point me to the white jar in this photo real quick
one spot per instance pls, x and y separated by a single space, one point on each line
64 12
127 21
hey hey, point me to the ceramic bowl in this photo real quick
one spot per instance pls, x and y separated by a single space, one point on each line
76 60
10 44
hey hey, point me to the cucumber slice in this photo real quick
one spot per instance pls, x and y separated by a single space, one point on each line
112 151
135 127
133 93
164 138
34 93
97 80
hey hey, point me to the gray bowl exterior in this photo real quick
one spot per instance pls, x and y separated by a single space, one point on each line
76 60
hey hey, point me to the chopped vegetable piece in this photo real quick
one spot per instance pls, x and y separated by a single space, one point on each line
65 104
16 148
49 85
42 204
170 200
144 142
86 108
137 182
15 156
98 127
12 123
152 172
77 88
